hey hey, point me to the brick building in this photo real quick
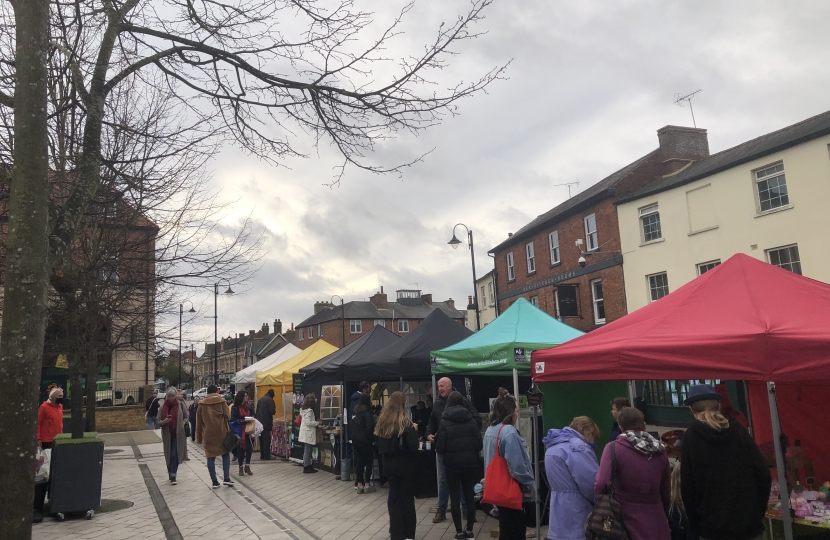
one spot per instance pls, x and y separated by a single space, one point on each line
542 261
400 317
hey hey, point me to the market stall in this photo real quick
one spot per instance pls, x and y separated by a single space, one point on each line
248 374
502 349
744 320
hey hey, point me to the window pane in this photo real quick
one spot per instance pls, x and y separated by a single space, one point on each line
786 257
566 301
651 228
772 190
599 302
553 239
658 286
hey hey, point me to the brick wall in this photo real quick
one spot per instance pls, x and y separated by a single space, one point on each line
120 418
333 332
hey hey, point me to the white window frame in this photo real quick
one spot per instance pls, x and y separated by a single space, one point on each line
310 332
591 237
481 300
511 269
788 267
355 326
756 180
553 242
302 334
597 301
530 253
645 212
319 330
534 300
492 295
380 322
403 326
652 290
709 265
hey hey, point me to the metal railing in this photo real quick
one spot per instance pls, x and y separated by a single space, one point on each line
118 396
671 393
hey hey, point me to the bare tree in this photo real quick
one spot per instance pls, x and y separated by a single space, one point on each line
233 59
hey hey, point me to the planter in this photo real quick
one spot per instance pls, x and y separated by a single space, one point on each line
77 468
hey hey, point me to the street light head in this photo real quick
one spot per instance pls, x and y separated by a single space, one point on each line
229 291
192 310
455 242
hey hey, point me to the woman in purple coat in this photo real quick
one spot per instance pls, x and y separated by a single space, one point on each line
643 478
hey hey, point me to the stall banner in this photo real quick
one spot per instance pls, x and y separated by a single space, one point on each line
297 388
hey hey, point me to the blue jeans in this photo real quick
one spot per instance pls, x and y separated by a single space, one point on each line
444 488
151 422
226 466
173 468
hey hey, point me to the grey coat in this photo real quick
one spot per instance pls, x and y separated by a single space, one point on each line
181 438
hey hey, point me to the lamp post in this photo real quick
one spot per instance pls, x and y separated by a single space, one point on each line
342 317
455 242
216 328
181 312
345 465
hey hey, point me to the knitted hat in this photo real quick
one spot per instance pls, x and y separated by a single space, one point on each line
700 392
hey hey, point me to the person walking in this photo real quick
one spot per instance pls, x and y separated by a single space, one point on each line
617 404
512 447
191 413
212 417
363 437
725 483
50 419
398 443
642 478
571 468
444 390
171 418
265 411
240 411
151 406
459 442
308 431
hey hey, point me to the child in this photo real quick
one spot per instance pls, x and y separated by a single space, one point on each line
678 522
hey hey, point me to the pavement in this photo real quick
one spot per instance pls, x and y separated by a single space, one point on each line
278 502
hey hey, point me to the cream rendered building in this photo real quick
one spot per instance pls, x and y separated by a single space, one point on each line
486 293
767 198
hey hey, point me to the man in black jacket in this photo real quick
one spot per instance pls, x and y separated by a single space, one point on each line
265 411
444 390
152 407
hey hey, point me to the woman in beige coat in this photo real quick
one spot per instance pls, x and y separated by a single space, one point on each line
212 417
308 431
172 417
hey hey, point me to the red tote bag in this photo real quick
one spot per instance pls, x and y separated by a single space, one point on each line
501 489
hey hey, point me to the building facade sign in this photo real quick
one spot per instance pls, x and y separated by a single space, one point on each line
565 276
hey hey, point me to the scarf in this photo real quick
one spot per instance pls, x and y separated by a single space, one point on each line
173 411
644 443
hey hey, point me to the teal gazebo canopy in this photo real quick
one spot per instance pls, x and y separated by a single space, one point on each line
505 344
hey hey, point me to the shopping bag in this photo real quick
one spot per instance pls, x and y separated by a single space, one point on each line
249 428
236 427
299 420
258 427
605 520
501 489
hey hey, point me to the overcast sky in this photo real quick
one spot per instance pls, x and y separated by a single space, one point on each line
589 85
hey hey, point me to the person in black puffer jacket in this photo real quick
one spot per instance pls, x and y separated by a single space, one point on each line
725 483
458 440
363 429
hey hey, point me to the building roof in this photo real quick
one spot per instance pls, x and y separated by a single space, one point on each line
803 131
581 200
411 309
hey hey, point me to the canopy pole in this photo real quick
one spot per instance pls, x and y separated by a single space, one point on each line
434 400
779 462
536 466
285 423
631 392
516 383
345 472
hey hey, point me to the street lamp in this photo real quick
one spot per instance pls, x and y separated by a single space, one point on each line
181 312
455 242
229 292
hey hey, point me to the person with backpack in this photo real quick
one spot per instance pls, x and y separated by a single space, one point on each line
363 437
503 439
458 441
571 468
638 466
725 482
398 444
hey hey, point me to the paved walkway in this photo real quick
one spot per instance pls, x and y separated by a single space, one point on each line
277 503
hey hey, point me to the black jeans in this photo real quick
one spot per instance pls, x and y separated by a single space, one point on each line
511 524
193 430
363 461
265 443
243 453
401 472
463 482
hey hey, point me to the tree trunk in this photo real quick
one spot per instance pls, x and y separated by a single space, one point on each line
91 389
76 389
27 277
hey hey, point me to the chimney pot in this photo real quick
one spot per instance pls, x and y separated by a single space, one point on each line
509 234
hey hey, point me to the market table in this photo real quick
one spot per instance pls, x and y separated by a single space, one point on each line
817 527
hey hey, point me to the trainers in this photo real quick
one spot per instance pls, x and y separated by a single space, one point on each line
216 484
172 481
228 482
361 490
369 489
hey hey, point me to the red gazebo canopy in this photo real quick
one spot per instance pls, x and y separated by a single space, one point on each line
743 320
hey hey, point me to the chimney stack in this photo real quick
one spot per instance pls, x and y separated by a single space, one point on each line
251 332
277 326
451 303
426 299
470 304
320 306
379 299
679 146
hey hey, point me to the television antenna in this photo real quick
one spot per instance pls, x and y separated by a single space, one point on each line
680 98
569 184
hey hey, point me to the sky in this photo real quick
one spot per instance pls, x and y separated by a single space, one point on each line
588 85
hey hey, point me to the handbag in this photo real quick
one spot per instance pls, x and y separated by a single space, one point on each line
187 429
231 441
605 520
299 420
249 428
501 489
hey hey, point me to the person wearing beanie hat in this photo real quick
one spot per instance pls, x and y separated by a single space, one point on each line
266 408
725 482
